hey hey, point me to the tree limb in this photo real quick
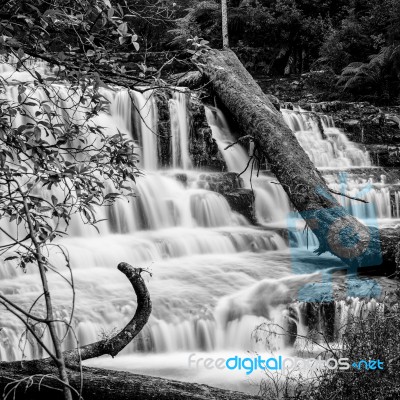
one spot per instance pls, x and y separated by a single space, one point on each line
115 344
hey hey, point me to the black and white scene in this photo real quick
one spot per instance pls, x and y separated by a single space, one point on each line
199 200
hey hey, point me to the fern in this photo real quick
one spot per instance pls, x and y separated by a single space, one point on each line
189 26
373 77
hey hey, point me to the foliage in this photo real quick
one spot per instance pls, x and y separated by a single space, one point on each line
370 338
56 160
372 334
377 80
85 36
285 33
200 20
280 37
56 163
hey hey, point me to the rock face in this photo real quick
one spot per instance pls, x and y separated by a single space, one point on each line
230 186
242 201
164 128
374 127
204 154
203 148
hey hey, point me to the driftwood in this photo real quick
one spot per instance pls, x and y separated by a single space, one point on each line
256 116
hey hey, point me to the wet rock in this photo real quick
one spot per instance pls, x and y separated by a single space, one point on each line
164 128
221 182
242 201
203 148
229 185
351 122
306 106
182 177
377 128
384 155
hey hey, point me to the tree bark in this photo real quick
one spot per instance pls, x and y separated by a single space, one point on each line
190 79
255 115
115 344
101 384
224 14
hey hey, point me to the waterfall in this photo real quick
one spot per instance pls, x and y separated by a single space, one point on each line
267 192
235 156
180 130
215 277
326 147
187 235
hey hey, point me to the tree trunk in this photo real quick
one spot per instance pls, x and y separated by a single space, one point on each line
337 231
225 36
101 384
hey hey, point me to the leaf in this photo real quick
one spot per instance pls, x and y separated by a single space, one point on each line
136 45
123 29
90 53
111 195
110 13
44 209
54 199
46 108
134 38
11 258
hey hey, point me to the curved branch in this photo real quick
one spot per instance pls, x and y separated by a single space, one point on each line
115 344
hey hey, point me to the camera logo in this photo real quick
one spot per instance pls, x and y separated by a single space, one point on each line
354 250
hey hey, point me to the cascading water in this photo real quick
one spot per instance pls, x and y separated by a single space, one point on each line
328 147
187 235
267 192
215 276
180 130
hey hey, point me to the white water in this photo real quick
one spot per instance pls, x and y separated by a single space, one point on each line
332 151
215 277
180 129
327 148
267 192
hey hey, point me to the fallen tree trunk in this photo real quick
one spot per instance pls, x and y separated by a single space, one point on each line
337 231
101 384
